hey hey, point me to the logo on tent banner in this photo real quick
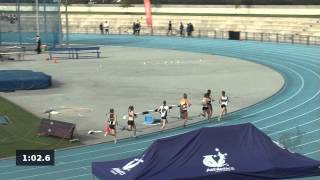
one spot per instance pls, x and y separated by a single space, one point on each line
126 168
219 165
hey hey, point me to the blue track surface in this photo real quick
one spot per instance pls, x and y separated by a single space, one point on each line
292 116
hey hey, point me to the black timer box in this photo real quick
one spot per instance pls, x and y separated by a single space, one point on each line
35 157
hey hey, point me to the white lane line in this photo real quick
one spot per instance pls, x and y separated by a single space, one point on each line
294 127
289 109
281 122
287 99
310 142
312 152
52 172
70 162
72 177
302 134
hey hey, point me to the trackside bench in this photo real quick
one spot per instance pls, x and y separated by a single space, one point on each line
66 50
74 52
85 50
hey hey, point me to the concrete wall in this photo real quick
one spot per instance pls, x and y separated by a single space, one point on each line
194 9
86 19
272 10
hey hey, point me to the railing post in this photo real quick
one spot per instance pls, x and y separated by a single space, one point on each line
215 34
199 33
308 40
277 38
246 36
261 37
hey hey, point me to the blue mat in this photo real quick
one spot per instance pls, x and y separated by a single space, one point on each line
11 80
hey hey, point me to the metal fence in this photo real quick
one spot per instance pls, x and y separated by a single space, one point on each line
21 23
215 34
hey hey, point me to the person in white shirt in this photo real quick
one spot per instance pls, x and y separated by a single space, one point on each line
106 27
163 110
223 101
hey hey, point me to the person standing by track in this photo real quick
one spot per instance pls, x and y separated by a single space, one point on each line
169 32
38 42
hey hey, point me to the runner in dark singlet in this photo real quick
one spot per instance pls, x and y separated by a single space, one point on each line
131 123
205 104
210 100
112 121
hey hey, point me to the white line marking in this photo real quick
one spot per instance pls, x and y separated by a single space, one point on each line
303 134
312 152
52 172
72 177
277 132
318 92
281 122
70 162
310 142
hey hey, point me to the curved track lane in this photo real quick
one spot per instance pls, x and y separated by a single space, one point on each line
291 116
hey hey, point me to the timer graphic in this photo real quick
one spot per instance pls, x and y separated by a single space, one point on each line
34 157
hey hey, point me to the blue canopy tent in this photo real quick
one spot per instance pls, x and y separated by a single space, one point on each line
238 152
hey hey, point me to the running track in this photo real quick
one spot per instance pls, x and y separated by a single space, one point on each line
291 116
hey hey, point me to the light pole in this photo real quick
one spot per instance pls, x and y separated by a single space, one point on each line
37 17
67 22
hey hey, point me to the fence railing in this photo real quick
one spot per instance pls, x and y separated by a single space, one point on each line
216 34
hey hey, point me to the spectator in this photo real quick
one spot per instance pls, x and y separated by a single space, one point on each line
138 27
169 28
190 29
38 42
101 28
106 27
181 29
134 28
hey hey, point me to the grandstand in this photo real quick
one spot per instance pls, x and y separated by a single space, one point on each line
293 24
212 21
